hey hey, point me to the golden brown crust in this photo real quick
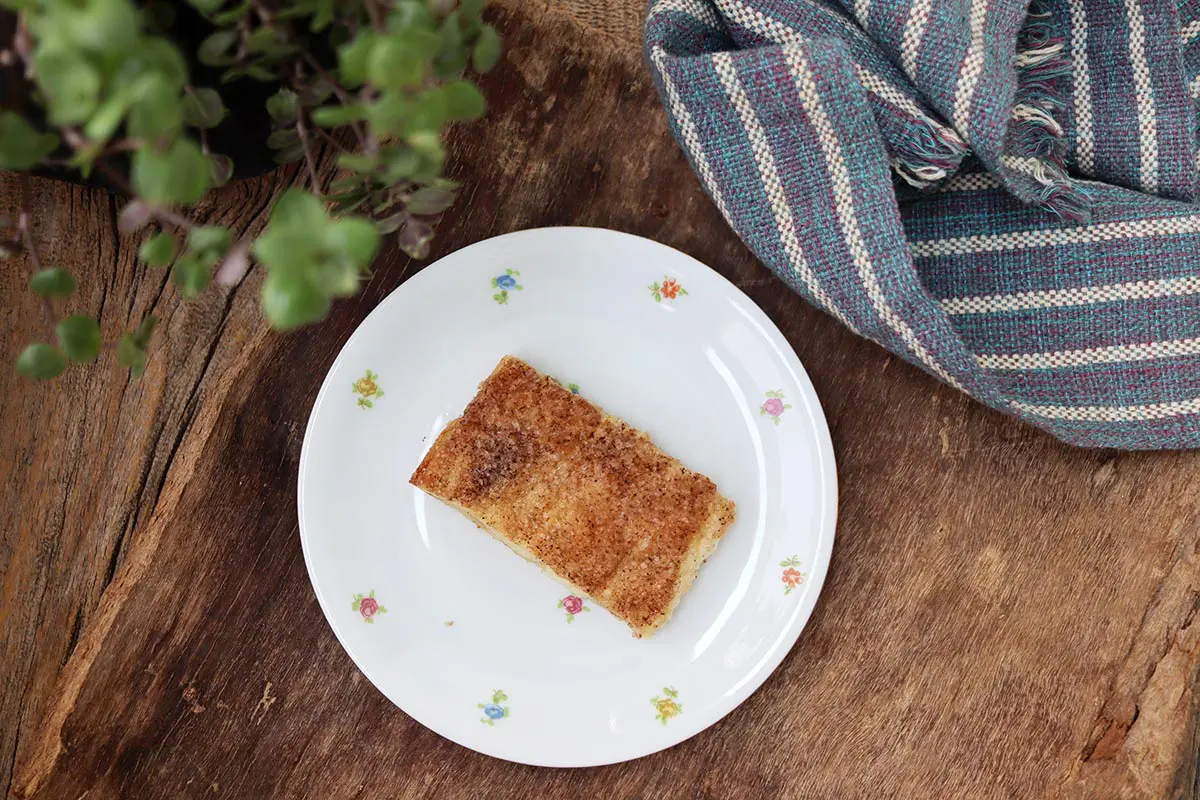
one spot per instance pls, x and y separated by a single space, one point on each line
588 497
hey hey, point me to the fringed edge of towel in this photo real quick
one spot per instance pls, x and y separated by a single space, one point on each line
930 155
1035 139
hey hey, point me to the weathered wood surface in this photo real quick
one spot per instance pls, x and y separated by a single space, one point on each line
1005 616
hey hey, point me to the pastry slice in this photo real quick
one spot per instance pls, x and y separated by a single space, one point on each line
580 493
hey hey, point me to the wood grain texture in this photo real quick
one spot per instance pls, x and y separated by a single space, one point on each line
1004 617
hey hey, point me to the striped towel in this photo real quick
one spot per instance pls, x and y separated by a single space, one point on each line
1003 195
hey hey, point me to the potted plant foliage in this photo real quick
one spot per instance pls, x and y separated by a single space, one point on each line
164 101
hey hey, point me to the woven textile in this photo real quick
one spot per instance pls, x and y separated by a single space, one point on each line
1002 195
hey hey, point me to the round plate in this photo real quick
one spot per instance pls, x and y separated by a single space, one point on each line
474 641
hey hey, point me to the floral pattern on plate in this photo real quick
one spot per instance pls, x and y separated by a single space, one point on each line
667 705
774 406
668 290
506 282
494 711
573 604
368 606
791 576
367 388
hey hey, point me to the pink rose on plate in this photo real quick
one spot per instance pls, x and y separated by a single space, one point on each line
774 406
368 606
572 605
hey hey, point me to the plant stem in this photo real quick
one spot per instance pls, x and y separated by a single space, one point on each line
23 45
332 141
375 14
31 248
114 176
308 155
122 146
191 92
171 218
243 34
264 14
369 145
338 90
161 214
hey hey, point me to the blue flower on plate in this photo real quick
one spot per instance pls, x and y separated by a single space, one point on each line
493 711
504 283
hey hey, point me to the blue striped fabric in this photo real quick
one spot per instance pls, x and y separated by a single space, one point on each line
1002 195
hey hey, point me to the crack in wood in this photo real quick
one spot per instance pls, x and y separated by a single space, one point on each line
12 759
1161 651
134 514
76 629
264 705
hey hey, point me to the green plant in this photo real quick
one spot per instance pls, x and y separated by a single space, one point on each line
113 98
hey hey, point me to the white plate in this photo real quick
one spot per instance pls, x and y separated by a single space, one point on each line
465 618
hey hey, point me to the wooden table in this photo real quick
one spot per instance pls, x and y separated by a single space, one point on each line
1005 616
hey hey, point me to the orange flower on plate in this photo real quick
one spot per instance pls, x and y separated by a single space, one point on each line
791 576
669 289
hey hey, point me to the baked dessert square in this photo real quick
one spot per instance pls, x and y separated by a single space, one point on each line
588 498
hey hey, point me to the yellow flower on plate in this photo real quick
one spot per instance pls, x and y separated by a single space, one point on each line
668 705
366 388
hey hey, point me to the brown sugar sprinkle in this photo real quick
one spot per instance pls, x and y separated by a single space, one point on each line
582 493
495 456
